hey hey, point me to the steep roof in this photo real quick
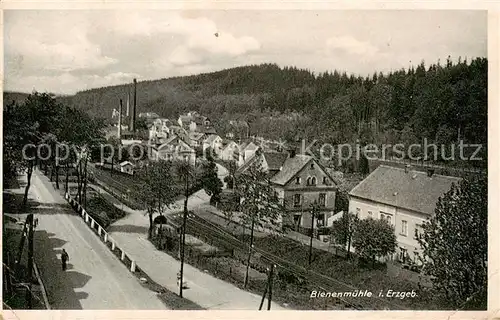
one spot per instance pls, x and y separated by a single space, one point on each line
211 138
291 167
124 163
414 190
251 146
275 160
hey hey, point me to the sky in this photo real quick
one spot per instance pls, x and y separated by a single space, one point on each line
68 51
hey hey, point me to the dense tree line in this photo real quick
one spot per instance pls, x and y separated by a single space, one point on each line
441 102
43 132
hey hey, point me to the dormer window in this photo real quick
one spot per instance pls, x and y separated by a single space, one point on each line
313 181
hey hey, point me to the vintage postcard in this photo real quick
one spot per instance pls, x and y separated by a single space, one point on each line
226 157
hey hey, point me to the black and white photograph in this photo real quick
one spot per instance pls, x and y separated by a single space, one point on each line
245 160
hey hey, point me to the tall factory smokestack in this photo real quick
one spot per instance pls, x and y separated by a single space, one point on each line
128 101
134 107
120 120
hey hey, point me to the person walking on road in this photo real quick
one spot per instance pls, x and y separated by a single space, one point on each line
64 259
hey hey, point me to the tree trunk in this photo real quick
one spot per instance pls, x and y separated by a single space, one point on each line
26 189
249 253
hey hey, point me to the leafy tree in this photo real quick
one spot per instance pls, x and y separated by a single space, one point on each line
455 242
210 181
343 229
155 190
259 203
342 200
374 239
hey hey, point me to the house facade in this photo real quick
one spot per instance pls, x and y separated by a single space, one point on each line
160 129
247 150
301 182
230 151
404 198
196 139
127 167
213 142
174 149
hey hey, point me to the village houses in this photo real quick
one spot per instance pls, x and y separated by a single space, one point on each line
174 149
214 142
404 198
247 150
230 151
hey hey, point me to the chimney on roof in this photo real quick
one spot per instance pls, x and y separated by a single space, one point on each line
430 172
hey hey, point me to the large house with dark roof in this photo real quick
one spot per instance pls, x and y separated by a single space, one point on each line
404 198
299 181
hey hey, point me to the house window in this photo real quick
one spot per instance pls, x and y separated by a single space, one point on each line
386 217
308 181
370 214
312 165
418 230
325 180
358 211
297 180
313 181
321 220
322 199
296 200
404 227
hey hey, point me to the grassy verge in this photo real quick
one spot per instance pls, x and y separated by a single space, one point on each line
230 266
352 271
100 209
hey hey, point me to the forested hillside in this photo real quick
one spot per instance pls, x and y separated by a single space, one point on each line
440 102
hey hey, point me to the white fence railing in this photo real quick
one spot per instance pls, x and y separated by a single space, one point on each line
101 232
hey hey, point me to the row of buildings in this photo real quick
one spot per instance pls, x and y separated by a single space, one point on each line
403 197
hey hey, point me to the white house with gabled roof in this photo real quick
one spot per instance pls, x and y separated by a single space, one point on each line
403 197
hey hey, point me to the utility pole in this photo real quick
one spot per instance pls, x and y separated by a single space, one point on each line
29 279
271 273
249 253
314 208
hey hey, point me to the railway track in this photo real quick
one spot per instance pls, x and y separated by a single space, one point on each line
322 282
